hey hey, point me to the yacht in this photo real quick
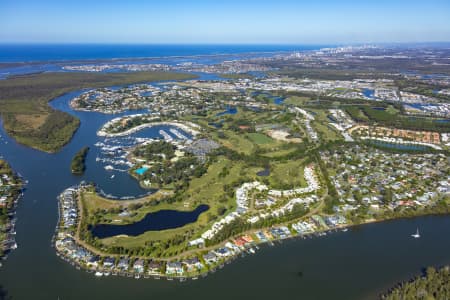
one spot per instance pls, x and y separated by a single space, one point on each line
416 235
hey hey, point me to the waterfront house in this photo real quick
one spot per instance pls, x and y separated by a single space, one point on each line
223 252
210 257
233 248
123 264
154 267
93 261
240 242
193 264
174 268
109 262
261 236
138 266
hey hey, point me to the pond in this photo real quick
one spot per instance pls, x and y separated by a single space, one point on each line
155 221
369 93
228 111
276 99
263 173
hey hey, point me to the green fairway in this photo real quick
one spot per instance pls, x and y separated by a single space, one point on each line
296 100
260 139
287 175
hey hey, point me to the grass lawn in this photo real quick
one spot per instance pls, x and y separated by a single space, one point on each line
287 175
296 100
93 201
260 139
237 142
279 153
392 110
326 132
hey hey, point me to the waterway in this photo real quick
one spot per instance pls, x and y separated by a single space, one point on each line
352 265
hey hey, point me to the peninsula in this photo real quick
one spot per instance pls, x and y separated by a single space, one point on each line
245 161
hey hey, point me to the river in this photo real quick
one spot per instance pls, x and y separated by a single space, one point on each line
352 265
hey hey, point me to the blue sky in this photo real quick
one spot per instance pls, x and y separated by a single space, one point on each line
244 21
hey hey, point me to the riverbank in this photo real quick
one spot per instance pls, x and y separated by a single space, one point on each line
11 189
196 263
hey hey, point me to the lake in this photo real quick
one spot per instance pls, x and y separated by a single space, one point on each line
228 111
395 146
155 221
369 93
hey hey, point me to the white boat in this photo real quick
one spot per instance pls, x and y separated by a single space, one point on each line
112 176
416 235
98 274
252 251
109 167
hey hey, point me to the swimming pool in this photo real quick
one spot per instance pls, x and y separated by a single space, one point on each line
141 171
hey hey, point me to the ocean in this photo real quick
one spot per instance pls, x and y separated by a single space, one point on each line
14 53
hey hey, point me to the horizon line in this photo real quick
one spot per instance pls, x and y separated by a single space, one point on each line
225 43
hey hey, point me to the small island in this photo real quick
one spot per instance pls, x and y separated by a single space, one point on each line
78 161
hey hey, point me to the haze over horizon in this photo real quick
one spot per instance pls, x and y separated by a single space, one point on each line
240 22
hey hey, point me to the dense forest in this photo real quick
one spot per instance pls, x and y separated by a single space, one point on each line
165 170
434 284
371 115
153 151
78 161
54 133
